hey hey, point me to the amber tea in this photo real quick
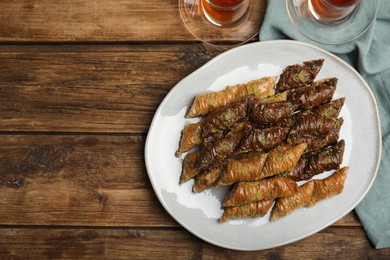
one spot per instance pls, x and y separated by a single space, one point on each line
343 2
227 2
332 11
224 13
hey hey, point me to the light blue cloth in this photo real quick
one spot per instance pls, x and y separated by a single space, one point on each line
370 55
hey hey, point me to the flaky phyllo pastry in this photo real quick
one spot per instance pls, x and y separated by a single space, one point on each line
209 101
191 136
272 188
310 193
246 168
253 209
296 76
260 138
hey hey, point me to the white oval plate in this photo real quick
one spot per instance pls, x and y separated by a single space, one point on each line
199 213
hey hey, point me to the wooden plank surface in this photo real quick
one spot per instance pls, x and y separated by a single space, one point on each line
76 180
132 243
80 180
77 88
93 21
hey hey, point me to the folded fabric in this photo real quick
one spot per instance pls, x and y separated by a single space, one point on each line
370 55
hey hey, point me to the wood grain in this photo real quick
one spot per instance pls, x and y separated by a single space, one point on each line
76 180
80 180
93 20
89 20
74 88
133 243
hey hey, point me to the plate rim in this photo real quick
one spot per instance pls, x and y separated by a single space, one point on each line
215 59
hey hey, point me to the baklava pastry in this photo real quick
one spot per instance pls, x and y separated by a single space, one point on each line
318 93
286 205
250 210
327 159
246 168
263 139
271 114
281 159
220 121
329 186
296 76
279 97
218 151
310 193
190 137
329 110
246 192
316 142
190 168
314 124
207 178
204 103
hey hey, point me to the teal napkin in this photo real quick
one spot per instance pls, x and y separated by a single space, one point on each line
370 55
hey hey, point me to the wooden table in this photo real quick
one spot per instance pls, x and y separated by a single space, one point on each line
80 81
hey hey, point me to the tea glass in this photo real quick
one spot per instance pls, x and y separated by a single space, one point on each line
332 21
222 23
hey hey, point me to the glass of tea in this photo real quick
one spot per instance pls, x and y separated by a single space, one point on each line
332 11
222 23
332 21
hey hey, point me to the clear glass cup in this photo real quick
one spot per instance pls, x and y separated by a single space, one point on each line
222 23
332 21
332 11
224 13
